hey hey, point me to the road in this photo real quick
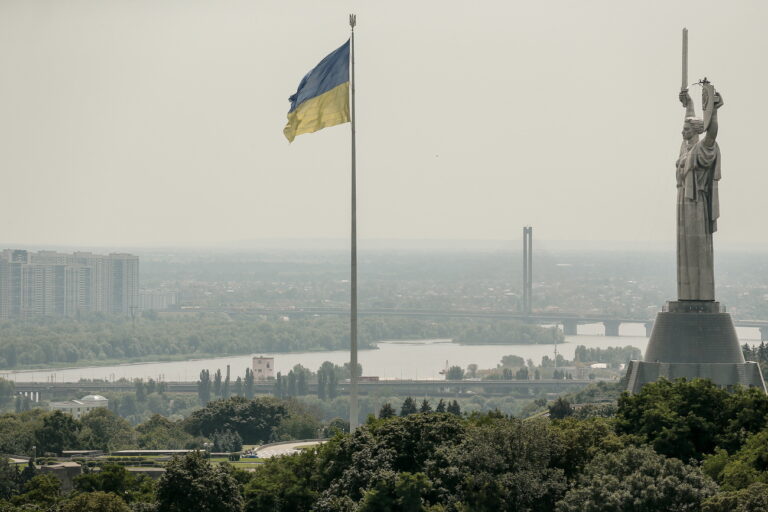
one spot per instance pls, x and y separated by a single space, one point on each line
278 450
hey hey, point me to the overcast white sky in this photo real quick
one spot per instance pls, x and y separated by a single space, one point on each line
160 122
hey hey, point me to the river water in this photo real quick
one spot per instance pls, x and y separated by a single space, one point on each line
393 360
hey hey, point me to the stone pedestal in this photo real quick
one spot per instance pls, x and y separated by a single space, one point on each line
694 339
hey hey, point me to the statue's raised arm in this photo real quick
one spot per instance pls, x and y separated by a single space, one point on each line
685 99
709 138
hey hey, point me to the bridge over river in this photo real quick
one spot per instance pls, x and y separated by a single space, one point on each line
48 390
568 321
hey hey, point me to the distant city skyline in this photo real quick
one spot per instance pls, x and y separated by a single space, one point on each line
159 124
50 283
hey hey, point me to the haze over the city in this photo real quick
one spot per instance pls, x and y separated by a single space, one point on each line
160 123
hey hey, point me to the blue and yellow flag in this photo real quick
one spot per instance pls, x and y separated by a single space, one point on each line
323 96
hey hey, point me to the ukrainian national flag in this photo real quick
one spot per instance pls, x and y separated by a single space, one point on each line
323 96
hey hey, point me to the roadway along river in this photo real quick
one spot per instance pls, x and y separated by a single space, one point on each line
393 360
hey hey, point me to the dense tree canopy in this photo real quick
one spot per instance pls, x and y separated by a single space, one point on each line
115 479
59 432
192 483
637 479
102 429
254 420
688 419
432 461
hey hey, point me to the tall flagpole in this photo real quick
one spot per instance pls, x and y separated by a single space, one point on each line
353 411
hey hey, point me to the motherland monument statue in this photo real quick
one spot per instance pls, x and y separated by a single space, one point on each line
693 337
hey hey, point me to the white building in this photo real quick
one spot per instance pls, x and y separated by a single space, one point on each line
263 368
77 408
157 300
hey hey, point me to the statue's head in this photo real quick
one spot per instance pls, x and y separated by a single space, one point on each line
692 127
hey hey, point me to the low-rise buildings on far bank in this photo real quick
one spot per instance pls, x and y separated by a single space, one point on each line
78 408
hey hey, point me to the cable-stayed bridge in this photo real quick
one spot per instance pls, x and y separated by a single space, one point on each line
568 321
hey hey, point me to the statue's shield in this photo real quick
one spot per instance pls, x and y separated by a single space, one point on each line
707 102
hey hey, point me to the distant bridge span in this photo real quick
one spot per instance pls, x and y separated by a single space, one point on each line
36 390
569 321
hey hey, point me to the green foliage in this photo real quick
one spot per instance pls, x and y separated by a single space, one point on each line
115 479
227 441
454 408
548 362
386 411
500 464
599 392
159 433
396 492
17 431
192 483
204 387
218 385
688 419
454 373
248 385
102 429
614 356
101 337
560 408
95 502
637 479
10 479
507 332
605 410
346 465
6 393
757 353
300 422
408 407
42 490
512 361
747 466
576 442
751 499
141 390
334 427
58 432
328 380
254 420
285 484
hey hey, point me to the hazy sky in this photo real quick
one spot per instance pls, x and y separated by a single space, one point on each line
160 122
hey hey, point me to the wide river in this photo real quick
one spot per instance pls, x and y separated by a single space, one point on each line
393 359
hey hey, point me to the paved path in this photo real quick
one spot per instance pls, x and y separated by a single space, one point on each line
279 450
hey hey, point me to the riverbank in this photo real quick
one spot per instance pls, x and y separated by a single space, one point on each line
149 359
97 341
171 358
401 359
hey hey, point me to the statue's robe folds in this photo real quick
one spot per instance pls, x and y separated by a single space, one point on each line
698 208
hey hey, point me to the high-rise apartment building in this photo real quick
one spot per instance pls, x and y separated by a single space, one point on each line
48 283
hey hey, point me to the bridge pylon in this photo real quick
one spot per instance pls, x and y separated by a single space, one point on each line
570 327
527 270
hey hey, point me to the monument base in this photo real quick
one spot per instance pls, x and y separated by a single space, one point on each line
694 339
723 374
